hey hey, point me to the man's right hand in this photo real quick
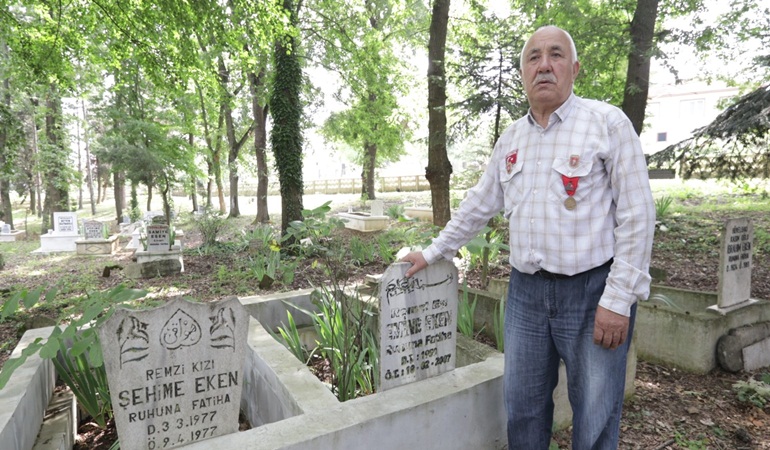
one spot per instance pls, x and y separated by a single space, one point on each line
418 263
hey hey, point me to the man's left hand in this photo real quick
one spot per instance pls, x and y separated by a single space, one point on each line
610 328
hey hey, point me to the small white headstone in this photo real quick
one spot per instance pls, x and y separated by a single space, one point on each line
175 372
377 208
93 229
418 323
6 229
735 263
158 237
126 219
65 223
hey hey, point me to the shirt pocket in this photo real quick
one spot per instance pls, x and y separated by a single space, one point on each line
512 186
561 167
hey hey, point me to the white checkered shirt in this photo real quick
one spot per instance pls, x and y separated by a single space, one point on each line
613 214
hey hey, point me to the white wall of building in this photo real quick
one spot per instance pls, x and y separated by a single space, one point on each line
675 111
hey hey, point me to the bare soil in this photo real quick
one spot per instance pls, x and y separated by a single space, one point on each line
670 409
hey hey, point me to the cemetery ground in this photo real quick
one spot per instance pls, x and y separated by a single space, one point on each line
670 409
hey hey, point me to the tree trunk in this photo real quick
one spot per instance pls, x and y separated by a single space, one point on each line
5 183
119 186
260 145
89 170
367 172
56 185
286 135
638 75
439 170
232 154
149 197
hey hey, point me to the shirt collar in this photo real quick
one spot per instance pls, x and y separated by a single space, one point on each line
560 114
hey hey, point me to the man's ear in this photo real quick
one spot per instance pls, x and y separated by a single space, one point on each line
575 70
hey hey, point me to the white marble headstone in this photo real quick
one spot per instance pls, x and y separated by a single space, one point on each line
6 229
65 223
158 237
418 323
175 372
735 263
378 208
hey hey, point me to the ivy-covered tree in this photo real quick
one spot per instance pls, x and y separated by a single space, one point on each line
286 110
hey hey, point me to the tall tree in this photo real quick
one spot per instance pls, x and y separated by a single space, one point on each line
439 168
286 135
360 41
638 75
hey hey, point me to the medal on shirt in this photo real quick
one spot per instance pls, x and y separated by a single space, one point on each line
570 186
510 160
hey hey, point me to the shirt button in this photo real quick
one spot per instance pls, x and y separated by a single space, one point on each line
535 192
570 173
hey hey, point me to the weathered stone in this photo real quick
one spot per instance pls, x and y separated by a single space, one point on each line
756 356
730 346
175 372
735 263
152 269
418 323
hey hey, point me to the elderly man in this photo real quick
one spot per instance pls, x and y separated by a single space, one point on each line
571 179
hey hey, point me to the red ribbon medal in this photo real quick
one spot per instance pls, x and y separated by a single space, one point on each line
570 184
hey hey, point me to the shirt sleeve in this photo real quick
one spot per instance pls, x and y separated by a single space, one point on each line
481 203
629 279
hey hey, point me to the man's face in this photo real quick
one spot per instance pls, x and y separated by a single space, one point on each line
548 69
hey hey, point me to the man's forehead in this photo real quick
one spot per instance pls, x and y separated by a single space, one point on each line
548 39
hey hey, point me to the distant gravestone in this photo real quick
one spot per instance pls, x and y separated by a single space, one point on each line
175 372
65 223
418 323
161 219
93 229
378 208
735 263
6 229
158 237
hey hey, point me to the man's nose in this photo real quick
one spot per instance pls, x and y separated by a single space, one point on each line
544 65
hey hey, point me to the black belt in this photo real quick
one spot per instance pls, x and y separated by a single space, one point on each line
560 276
550 275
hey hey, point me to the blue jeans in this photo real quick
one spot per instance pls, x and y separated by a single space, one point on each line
551 319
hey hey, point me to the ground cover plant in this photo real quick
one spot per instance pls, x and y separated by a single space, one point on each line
671 409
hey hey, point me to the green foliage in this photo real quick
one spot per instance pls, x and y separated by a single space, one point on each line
73 348
344 325
662 204
395 211
465 313
498 324
291 339
311 236
473 250
211 224
363 252
756 392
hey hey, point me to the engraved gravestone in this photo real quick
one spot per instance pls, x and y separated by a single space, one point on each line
158 237
93 229
65 223
175 372
418 323
6 229
735 263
